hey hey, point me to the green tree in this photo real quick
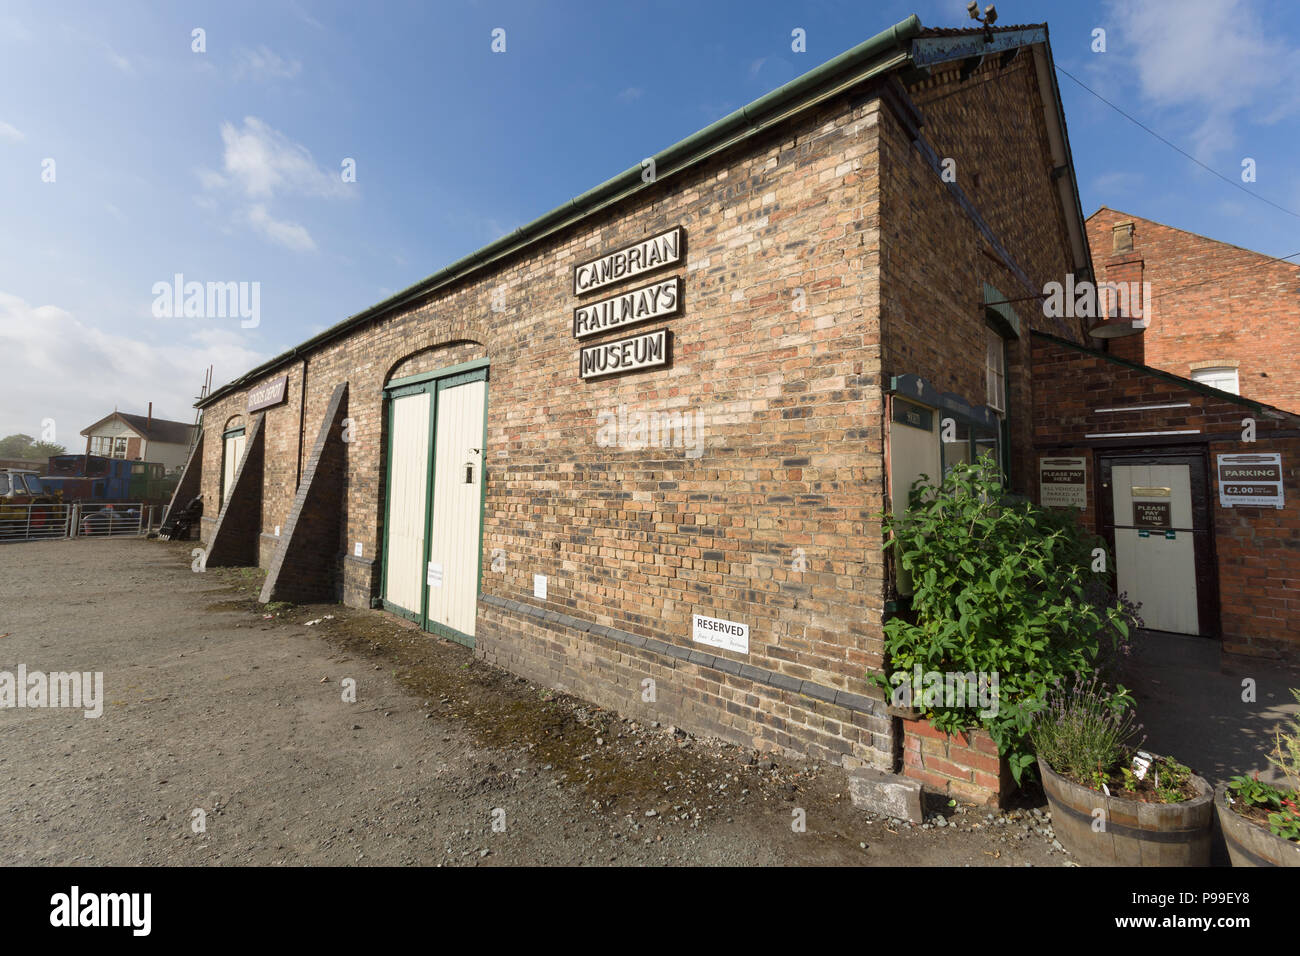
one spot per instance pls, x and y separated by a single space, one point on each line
42 450
28 449
15 446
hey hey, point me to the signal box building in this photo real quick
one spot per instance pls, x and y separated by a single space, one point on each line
649 435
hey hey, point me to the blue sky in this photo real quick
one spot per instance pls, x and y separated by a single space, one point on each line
225 165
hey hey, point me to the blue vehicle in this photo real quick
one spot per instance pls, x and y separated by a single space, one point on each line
90 478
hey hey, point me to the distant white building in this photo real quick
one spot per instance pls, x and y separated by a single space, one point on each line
140 438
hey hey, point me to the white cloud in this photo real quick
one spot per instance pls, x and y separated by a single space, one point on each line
57 366
258 164
288 234
119 61
11 133
12 29
1213 63
264 64
262 161
304 16
630 94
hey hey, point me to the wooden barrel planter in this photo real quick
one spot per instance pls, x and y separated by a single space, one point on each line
1250 844
1136 833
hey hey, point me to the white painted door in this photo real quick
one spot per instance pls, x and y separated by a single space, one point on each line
408 490
234 452
452 571
1157 570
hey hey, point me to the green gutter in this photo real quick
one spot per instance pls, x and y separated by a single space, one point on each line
875 52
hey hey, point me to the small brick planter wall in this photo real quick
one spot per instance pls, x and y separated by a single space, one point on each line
964 766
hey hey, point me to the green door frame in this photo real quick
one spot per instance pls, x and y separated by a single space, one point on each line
433 383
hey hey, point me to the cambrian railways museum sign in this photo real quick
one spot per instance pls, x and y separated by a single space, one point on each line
624 355
655 301
645 256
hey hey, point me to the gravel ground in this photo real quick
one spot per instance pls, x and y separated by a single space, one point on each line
213 702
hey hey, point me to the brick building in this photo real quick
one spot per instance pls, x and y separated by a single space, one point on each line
1222 315
648 436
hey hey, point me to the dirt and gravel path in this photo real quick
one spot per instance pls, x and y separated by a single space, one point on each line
212 705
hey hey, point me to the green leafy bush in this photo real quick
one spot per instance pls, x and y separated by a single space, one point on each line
1000 587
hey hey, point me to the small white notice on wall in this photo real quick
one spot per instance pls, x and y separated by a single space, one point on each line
728 635
539 586
434 577
277 531
1063 483
357 549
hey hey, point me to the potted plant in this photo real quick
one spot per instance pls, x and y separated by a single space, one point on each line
1260 821
1112 803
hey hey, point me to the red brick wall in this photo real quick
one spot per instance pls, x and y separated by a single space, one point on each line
1258 549
964 766
1214 303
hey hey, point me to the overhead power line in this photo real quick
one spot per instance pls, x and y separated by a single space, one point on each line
1178 149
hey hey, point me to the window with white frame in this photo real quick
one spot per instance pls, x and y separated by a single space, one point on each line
101 445
1223 377
995 370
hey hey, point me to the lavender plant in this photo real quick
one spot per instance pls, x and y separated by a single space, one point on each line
1086 730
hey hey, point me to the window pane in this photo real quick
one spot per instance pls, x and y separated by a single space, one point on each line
957 450
995 373
1224 378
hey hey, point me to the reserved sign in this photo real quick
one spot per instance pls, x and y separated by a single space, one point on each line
728 635
624 355
644 256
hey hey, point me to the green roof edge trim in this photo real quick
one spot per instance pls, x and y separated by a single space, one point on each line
696 146
1167 376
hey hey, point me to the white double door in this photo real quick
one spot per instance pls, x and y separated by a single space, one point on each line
435 494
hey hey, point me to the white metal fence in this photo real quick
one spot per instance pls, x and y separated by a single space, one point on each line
44 522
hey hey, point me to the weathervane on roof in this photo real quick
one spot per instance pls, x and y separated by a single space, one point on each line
990 14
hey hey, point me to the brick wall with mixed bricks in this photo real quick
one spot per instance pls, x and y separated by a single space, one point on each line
1215 304
281 435
773 353
935 260
965 766
1258 549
